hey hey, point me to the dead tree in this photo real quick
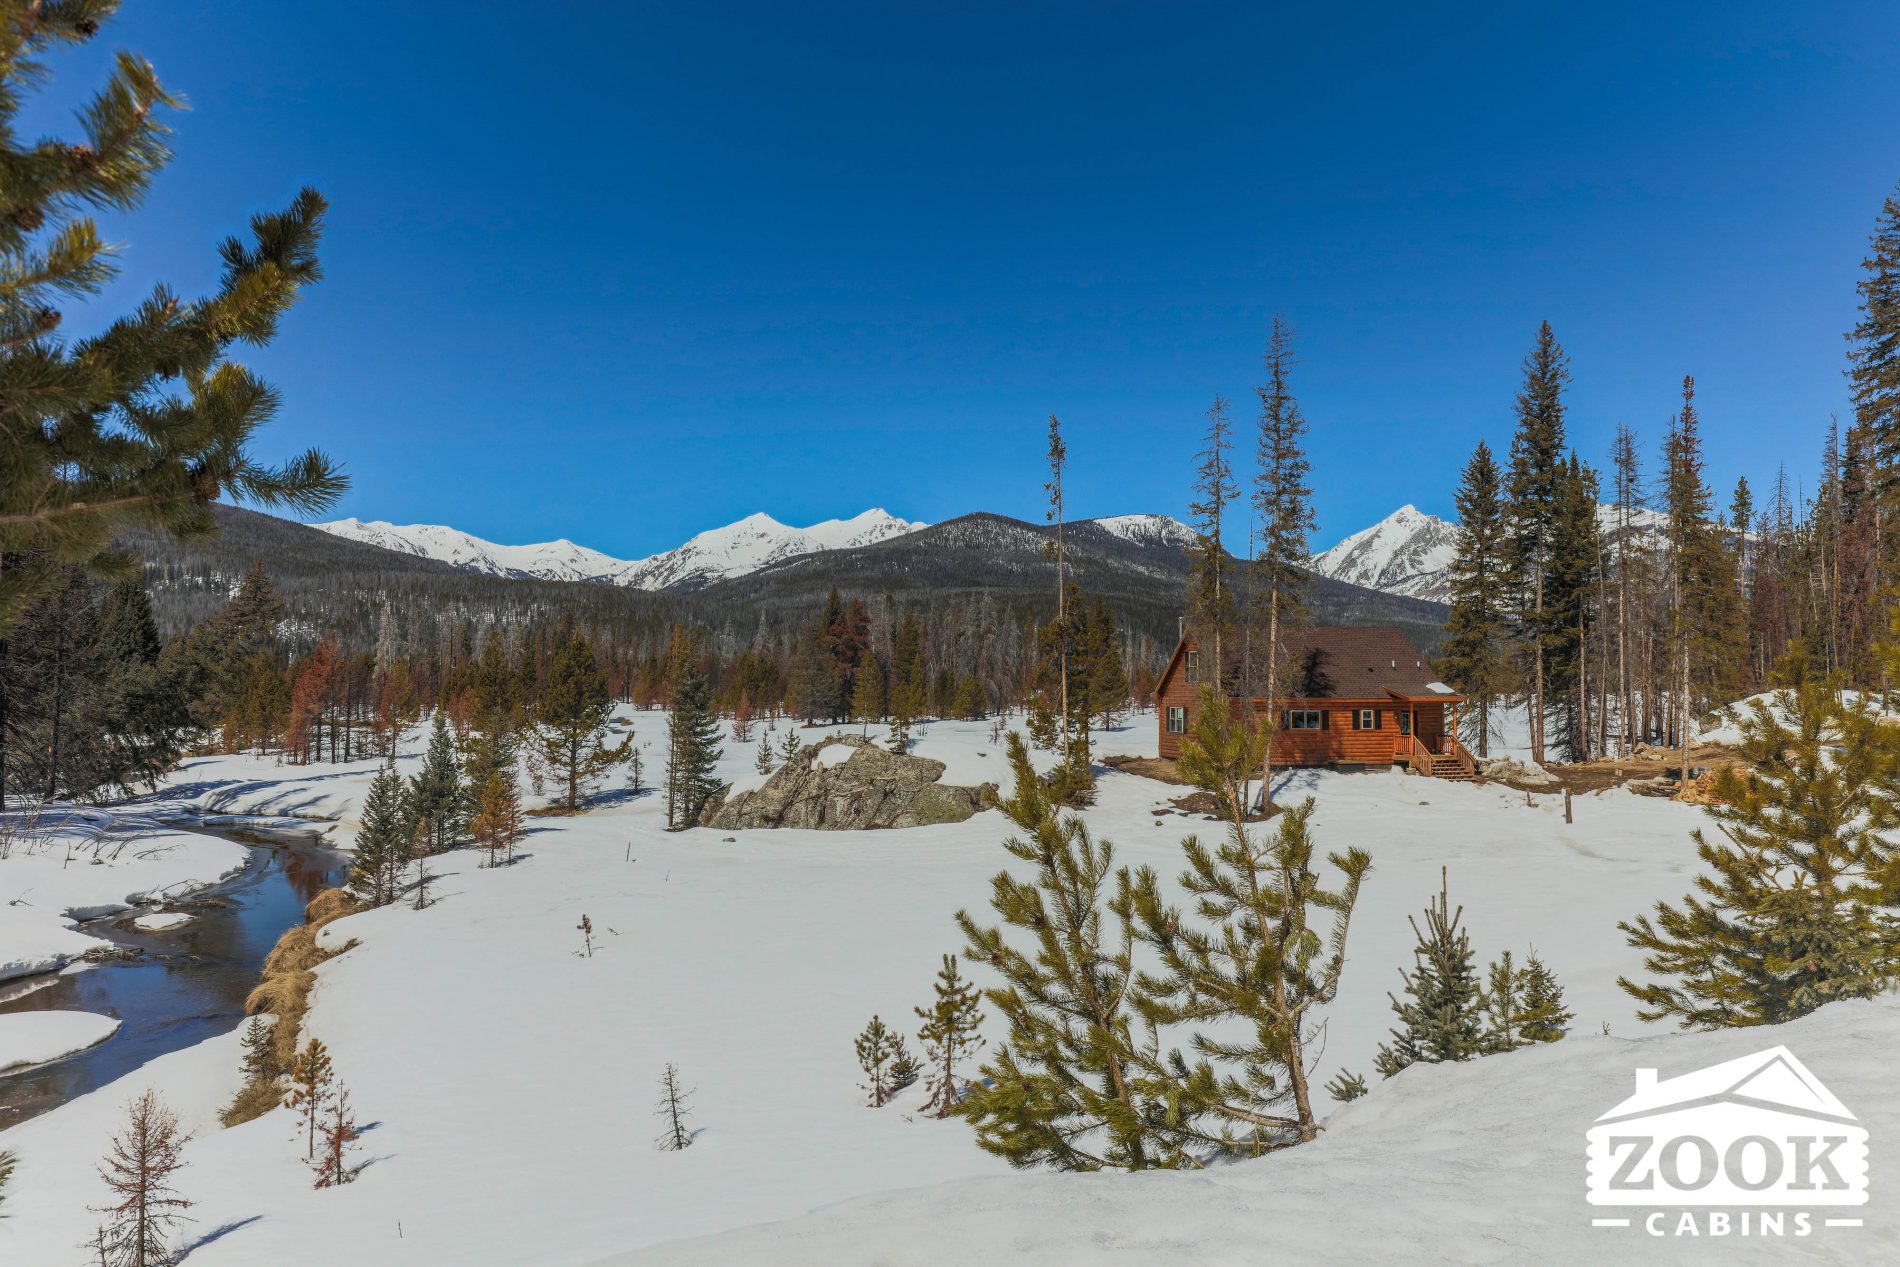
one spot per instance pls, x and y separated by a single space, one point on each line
673 1112
145 1210
339 1134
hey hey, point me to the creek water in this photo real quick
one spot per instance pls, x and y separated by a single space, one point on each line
180 986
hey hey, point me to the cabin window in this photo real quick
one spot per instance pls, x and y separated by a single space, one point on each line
1193 667
1405 723
1305 719
1177 721
1365 719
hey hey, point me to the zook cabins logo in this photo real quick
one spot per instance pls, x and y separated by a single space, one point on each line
1750 1147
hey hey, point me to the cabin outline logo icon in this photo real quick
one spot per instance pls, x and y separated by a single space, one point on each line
1757 1133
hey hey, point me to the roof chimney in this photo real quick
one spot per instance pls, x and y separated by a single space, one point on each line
1645 1080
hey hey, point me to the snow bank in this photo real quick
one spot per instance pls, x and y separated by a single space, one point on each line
1478 1163
38 1038
82 864
160 922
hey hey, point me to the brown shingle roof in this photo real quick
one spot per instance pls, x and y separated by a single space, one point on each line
1347 662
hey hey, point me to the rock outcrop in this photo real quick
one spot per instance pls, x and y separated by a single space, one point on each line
866 787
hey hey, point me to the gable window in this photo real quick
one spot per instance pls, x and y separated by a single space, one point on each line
1177 721
1305 719
1193 667
1365 719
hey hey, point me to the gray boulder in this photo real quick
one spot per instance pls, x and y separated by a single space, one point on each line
867 787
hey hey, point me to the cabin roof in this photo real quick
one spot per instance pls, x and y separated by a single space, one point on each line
1351 662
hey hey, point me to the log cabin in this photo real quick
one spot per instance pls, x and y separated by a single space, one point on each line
1355 698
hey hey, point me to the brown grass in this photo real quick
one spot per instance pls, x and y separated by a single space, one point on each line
284 993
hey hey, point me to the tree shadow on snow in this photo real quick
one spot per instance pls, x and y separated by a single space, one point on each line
216 1234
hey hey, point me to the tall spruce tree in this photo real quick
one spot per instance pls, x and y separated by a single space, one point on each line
1873 362
1283 517
1476 657
571 720
1210 584
1795 909
438 802
693 751
1570 592
383 834
1537 466
146 422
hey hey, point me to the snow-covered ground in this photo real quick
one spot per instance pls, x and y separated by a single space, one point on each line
82 864
510 1081
36 1038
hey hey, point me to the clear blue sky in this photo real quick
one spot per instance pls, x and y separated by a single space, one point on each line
622 273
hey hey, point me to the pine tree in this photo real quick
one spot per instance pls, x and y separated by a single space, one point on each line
867 698
1793 910
436 796
877 1047
9 1162
571 720
1210 586
905 1068
1569 605
1704 605
1255 969
1283 513
145 423
140 1169
1347 1086
1874 346
142 698
1060 1090
1441 1017
384 831
764 762
259 1062
789 746
693 752
1476 657
339 1134
497 825
949 1036
309 1091
673 1111
1537 451
1544 1018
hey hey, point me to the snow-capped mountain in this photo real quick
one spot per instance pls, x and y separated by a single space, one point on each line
1408 552
733 550
1151 530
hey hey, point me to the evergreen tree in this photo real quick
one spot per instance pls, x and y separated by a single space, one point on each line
867 697
877 1047
339 1134
55 729
1794 910
1476 657
764 762
140 1169
1210 587
1061 1090
1283 513
1256 969
571 720
905 1068
1347 1086
9 1162
142 699
259 1062
949 1035
693 752
1544 1018
1537 468
1874 346
497 825
310 1091
1441 1018
147 422
437 799
1569 606
383 833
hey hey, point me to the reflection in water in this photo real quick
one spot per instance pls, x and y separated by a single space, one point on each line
190 985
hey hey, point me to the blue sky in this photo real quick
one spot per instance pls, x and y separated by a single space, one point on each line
623 273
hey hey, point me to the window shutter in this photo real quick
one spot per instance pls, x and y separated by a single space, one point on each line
1325 719
1286 720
